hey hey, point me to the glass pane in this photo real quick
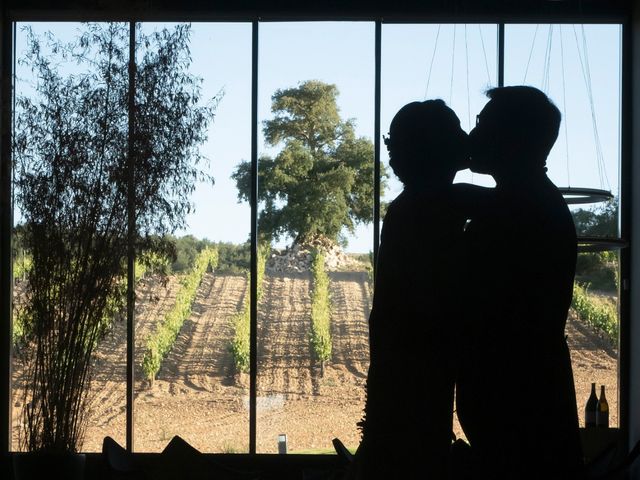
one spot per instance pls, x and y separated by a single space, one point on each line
452 62
70 215
455 63
193 390
561 60
316 176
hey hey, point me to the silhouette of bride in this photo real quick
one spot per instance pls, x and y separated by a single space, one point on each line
407 429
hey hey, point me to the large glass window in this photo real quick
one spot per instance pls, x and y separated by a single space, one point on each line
316 104
315 209
185 386
70 134
578 66
197 393
455 63
452 62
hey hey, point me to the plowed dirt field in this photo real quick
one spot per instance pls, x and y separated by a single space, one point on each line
198 395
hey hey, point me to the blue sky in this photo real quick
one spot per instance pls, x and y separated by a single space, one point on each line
343 53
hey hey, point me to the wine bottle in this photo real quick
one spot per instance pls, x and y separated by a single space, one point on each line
602 414
591 408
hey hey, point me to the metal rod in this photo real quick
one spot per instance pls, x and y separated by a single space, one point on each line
253 328
376 146
501 54
131 238
6 227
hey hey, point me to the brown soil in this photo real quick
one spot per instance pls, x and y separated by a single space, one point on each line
108 388
195 395
286 370
294 397
594 360
198 396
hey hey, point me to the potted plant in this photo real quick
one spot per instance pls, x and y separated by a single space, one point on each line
71 157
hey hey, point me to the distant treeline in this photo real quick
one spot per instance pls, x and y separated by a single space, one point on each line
598 270
232 258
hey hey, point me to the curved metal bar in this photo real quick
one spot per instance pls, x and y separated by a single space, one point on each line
577 196
600 244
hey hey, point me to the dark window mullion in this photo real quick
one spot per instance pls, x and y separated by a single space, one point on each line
376 143
131 235
501 55
6 227
253 310
624 290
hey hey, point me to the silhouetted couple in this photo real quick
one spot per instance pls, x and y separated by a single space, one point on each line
472 291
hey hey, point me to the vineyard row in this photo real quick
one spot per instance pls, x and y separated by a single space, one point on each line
240 344
160 341
320 311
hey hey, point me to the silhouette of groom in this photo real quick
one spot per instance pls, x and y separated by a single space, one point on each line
515 392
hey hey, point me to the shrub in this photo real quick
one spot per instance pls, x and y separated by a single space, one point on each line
320 311
599 270
241 345
21 265
71 165
234 259
115 304
597 312
187 249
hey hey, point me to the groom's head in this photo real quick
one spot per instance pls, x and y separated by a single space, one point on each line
515 130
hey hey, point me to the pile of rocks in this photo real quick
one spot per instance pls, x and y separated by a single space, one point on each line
336 259
297 258
291 259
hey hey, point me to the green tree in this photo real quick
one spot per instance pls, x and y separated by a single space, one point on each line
70 149
601 221
187 249
233 259
321 182
598 269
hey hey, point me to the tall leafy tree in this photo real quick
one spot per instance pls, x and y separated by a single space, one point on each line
320 184
601 221
70 149
598 269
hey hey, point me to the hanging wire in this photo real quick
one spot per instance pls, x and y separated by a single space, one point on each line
564 108
453 63
484 52
533 42
586 74
596 134
433 56
14 80
547 62
544 62
586 83
466 55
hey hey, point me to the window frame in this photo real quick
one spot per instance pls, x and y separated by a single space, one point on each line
7 49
